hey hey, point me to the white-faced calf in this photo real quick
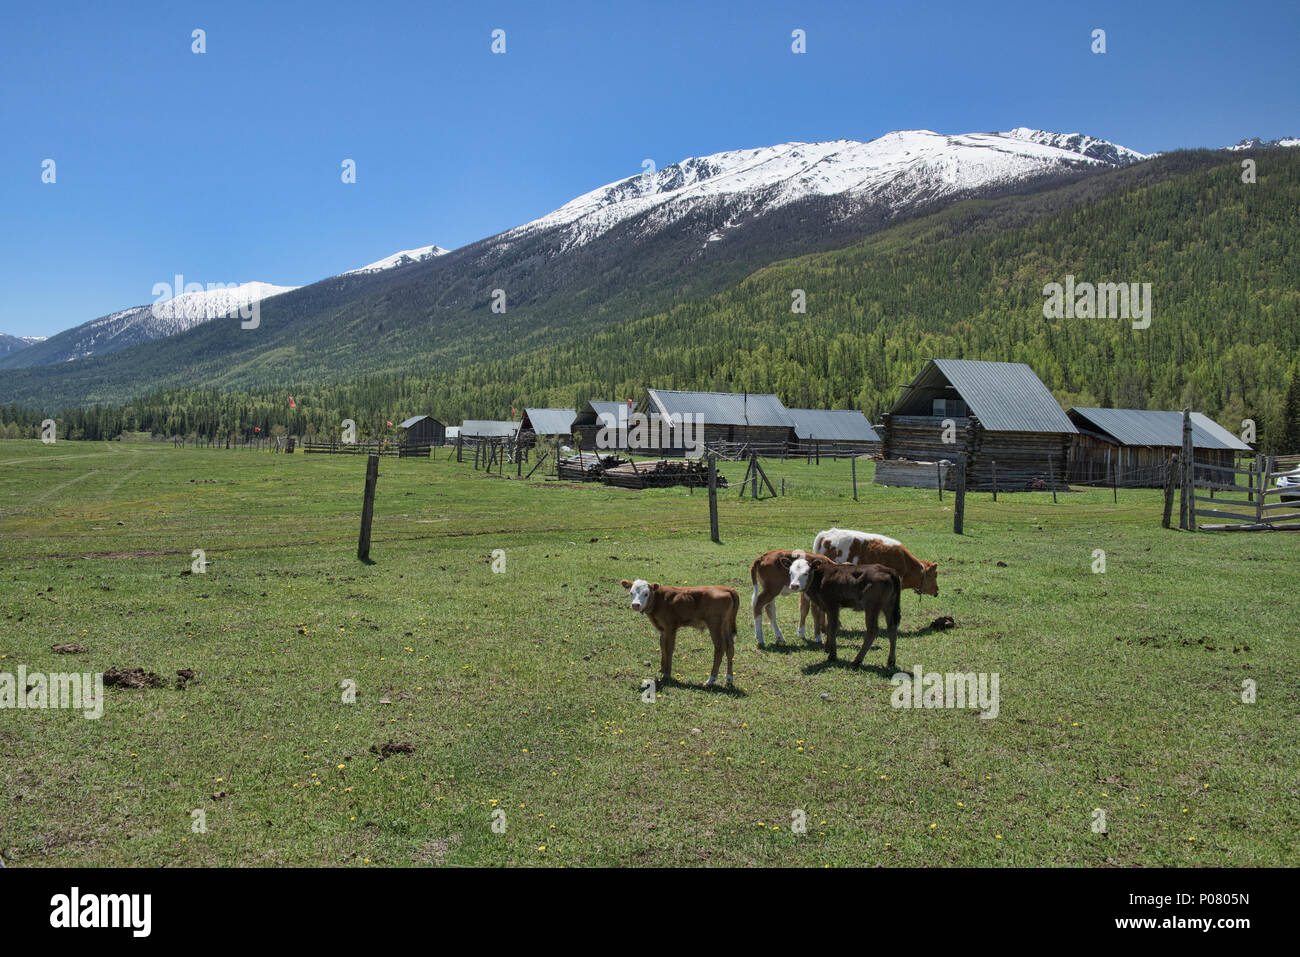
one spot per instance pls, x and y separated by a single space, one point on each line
704 606
873 589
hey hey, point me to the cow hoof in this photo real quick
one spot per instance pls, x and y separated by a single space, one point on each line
730 683
760 643
708 682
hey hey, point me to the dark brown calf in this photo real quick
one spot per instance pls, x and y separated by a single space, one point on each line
703 606
872 589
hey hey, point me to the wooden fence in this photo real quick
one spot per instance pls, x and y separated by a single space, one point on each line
367 448
1265 506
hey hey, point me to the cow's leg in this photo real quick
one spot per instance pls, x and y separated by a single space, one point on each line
804 605
719 645
872 627
891 622
832 629
771 613
667 639
731 653
757 608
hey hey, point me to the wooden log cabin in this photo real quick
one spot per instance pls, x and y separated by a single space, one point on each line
596 415
1130 447
729 419
832 432
999 413
546 425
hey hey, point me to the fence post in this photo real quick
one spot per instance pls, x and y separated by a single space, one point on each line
938 477
1114 481
1186 508
713 497
993 463
853 467
753 471
1263 488
1171 464
368 507
959 496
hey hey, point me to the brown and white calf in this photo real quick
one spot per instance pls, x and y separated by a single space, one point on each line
873 589
770 574
708 607
864 548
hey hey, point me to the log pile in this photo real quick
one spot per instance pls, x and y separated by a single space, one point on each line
587 466
661 473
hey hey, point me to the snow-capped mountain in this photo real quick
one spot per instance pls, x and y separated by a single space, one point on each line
403 258
1255 143
10 343
160 319
903 169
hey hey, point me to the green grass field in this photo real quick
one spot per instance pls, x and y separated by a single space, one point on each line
520 690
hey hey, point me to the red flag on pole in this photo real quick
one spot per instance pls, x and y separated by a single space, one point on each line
257 428
292 404
386 422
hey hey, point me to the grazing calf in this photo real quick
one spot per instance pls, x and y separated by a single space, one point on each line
867 588
706 606
770 574
864 548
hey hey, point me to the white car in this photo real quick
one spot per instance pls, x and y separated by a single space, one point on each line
1289 481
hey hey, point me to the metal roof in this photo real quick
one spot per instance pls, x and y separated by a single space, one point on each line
488 429
723 408
833 425
1159 428
551 421
600 408
1004 396
412 420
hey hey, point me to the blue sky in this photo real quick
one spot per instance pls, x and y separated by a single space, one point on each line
225 166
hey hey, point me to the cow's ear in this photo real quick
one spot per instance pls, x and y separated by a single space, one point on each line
654 586
785 561
626 583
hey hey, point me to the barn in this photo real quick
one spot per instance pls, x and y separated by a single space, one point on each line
1130 447
593 417
422 430
730 420
548 425
832 432
998 413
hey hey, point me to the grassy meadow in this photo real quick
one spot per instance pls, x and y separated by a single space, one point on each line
520 692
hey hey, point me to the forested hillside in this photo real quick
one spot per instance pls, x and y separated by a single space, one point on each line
1222 257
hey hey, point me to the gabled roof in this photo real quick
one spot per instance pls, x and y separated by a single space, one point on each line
488 429
1158 428
600 407
832 425
414 419
722 408
550 421
1004 396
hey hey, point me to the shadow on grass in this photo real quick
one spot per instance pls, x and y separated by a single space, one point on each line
735 691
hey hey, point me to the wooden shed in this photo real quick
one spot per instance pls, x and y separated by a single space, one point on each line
729 419
832 432
999 413
1130 447
422 430
596 415
548 425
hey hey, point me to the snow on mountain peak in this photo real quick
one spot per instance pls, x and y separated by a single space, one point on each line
401 258
903 168
190 308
